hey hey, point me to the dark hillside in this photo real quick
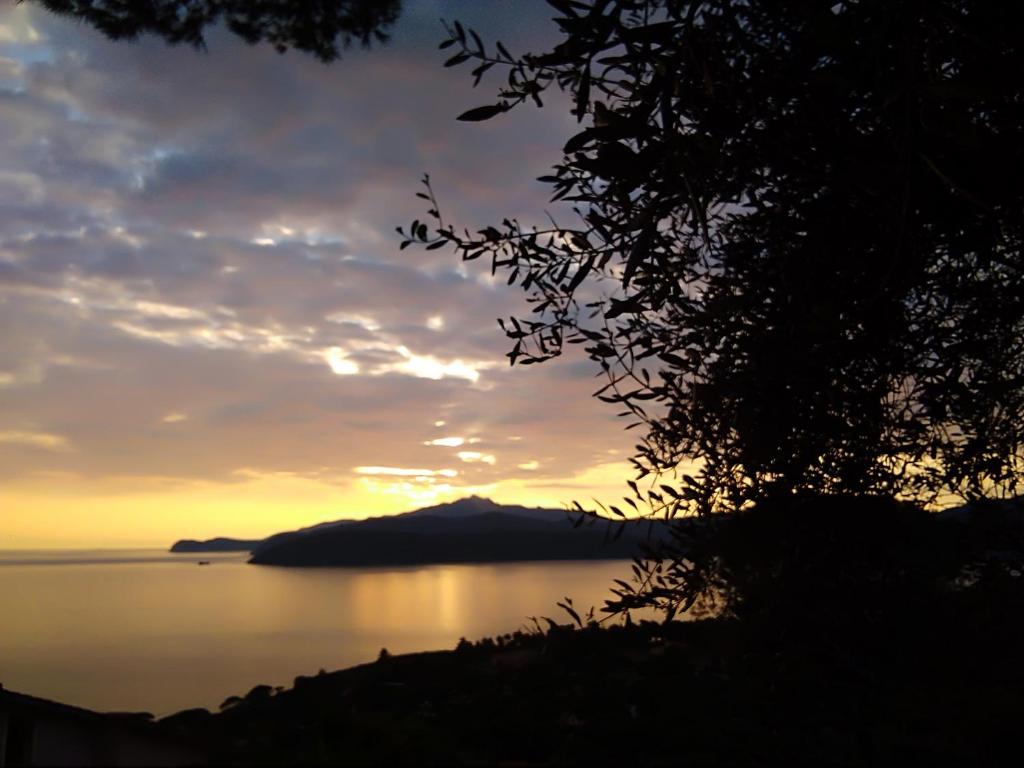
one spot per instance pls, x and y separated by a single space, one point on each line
414 540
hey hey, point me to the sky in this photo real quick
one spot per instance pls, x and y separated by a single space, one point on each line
206 324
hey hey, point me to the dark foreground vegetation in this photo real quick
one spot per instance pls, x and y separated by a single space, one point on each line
792 245
896 651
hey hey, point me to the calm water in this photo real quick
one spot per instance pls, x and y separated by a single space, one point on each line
152 631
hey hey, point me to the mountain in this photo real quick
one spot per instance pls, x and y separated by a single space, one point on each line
470 530
220 544
477 505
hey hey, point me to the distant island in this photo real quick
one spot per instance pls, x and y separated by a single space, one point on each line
471 530
220 544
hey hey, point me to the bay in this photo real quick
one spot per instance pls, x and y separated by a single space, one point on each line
147 630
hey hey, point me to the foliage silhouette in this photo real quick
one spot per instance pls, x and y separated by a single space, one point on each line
322 28
795 250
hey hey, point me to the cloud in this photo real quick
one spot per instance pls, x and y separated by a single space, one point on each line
339 363
448 442
42 440
474 456
403 472
199 272
431 367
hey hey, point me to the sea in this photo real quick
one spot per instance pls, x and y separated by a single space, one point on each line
154 631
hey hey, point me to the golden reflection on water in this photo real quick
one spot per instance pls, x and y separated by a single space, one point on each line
161 634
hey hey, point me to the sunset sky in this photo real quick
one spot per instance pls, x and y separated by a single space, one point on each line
207 325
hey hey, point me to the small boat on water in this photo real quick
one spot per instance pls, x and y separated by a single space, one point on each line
204 562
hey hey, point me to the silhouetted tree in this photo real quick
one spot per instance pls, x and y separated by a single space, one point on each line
795 248
320 27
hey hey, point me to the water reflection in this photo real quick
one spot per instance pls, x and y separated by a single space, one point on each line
152 631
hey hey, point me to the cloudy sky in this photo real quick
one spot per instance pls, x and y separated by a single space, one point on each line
207 325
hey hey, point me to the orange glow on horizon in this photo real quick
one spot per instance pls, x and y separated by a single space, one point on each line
55 512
